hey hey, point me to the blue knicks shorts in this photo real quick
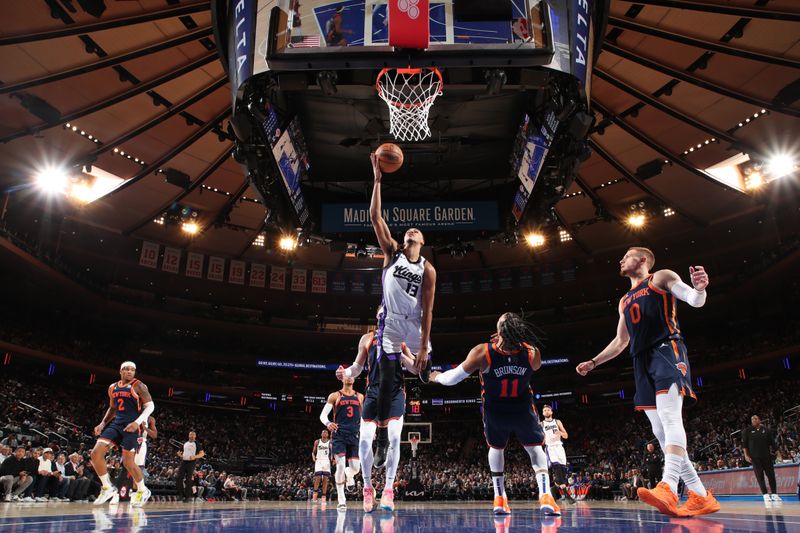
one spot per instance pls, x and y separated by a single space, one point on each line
369 412
345 444
115 434
657 369
500 421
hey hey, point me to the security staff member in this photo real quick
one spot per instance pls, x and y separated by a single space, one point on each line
757 443
186 470
653 462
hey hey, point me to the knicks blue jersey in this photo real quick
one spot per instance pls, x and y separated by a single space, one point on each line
650 316
347 413
126 401
374 372
507 381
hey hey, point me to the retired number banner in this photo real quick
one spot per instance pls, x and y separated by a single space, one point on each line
216 268
149 256
172 260
236 274
277 278
258 274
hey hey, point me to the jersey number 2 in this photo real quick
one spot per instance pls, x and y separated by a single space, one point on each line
120 404
504 388
636 313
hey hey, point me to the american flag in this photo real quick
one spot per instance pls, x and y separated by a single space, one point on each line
307 41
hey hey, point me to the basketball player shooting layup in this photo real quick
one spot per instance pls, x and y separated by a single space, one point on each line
346 406
648 321
553 433
367 356
129 406
506 367
409 282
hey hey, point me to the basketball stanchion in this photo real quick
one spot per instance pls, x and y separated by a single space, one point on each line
409 93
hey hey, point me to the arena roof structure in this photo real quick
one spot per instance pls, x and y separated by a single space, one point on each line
695 105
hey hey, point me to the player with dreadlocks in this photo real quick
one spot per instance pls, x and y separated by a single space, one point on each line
505 369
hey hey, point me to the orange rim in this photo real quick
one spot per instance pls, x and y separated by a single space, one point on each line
407 71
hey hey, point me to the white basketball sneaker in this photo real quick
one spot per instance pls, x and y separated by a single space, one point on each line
106 494
775 499
141 496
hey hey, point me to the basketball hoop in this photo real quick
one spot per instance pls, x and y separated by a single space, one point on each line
414 443
409 93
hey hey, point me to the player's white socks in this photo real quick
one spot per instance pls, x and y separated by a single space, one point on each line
673 465
543 482
340 492
365 451
690 477
106 480
497 462
539 464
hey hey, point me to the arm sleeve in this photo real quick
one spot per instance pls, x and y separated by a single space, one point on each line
323 417
688 294
353 370
452 376
149 407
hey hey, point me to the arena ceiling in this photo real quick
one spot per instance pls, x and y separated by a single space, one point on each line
679 87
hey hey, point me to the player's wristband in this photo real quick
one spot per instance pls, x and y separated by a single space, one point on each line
353 370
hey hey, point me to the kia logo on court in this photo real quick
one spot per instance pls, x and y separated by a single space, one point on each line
409 7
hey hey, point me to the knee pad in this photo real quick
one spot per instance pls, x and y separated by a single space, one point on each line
668 407
395 430
658 428
355 466
339 475
497 460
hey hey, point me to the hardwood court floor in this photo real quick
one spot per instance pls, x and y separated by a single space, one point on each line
455 517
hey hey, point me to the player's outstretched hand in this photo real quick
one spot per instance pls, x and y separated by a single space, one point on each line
434 375
376 167
699 277
133 426
333 426
585 367
340 373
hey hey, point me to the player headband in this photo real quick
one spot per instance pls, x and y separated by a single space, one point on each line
126 364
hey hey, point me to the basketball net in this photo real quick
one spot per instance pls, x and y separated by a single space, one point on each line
414 444
409 93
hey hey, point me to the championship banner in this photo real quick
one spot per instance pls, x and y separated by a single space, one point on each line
277 278
236 273
445 283
505 279
427 216
299 280
743 481
525 277
548 276
258 275
216 268
149 255
375 285
338 283
172 260
357 285
319 282
194 265
467 283
485 281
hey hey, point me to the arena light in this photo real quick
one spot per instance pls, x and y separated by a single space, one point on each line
52 180
668 212
191 228
637 220
287 243
535 240
564 235
753 181
781 165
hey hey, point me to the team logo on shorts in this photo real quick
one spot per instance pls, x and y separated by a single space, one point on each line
683 368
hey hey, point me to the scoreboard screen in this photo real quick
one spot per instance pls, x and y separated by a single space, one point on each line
414 408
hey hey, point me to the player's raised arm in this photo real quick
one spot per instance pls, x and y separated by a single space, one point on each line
428 293
326 411
357 366
670 281
476 360
385 240
614 348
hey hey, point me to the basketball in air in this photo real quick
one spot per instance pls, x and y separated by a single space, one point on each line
390 157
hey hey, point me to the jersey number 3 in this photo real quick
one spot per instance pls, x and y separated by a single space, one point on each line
349 411
514 388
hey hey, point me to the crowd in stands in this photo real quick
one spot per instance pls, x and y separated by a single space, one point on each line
251 455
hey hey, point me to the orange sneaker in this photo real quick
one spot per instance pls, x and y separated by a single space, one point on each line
697 505
548 505
661 497
501 505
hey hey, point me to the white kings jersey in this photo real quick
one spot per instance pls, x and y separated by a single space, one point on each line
551 436
402 287
141 454
323 461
